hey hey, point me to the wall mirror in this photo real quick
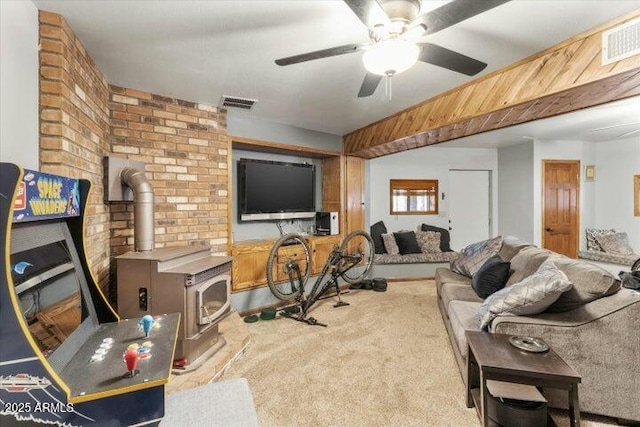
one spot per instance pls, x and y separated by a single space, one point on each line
414 196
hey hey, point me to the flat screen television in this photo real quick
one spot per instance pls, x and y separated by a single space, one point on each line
270 190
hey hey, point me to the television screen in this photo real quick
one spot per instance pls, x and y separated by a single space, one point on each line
275 190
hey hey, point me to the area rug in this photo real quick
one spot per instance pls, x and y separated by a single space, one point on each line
384 360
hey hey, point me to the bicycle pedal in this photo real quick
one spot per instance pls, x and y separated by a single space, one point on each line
341 304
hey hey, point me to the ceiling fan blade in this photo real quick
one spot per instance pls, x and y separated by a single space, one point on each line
369 85
452 13
368 12
445 58
318 54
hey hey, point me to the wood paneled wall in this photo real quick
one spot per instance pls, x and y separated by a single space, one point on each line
567 77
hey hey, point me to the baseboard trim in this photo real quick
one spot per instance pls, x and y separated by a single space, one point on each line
408 279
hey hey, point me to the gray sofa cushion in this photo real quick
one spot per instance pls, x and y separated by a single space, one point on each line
476 254
464 317
390 245
616 243
530 296
526 262
598 256
440 257
590 283
511 246
445 238
429 241
444 275
591 235
458 292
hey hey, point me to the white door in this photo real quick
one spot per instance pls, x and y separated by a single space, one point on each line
469 207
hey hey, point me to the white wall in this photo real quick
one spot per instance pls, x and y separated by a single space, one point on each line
19 140
616 164
515 191
242 123
424 163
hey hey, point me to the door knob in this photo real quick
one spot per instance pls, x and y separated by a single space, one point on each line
548 229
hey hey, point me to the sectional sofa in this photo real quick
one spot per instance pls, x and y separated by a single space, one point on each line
594 327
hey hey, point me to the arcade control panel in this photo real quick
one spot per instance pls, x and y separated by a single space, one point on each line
131 353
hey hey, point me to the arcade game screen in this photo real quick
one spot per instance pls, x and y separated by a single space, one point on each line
49 293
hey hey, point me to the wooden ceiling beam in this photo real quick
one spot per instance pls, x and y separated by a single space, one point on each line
567 77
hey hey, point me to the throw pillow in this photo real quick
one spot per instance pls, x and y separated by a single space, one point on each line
429 241
616 243
491 277
376 231
592 234
530 296
590 282
476 254
390 245
407 242
445 238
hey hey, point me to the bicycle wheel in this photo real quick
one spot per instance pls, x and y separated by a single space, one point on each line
357 256
289 254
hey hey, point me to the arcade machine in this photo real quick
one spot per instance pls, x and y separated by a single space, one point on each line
65 356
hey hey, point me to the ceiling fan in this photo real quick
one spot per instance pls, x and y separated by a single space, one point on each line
394 26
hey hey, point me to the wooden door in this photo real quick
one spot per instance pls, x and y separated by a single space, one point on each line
560 206
469 207
354 189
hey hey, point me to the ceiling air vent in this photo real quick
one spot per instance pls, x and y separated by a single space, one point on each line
621 42
237 102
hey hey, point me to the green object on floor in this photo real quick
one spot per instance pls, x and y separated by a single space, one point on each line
251 319
268 314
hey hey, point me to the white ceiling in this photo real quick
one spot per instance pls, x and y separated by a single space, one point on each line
201 50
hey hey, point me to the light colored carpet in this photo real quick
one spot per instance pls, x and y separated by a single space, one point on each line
384 360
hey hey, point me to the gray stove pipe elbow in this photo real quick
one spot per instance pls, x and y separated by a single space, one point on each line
143 208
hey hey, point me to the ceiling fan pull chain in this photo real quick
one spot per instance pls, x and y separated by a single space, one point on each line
387 87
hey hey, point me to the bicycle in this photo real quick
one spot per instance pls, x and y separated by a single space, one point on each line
291 255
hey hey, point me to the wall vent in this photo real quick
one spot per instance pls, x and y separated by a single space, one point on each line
621 42
237 102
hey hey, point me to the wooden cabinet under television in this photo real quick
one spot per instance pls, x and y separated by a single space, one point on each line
251 256
320 249
250 264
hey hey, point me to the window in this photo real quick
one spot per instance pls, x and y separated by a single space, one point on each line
414 196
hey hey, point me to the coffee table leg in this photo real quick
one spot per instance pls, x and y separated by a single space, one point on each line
483 400
574 406
469 376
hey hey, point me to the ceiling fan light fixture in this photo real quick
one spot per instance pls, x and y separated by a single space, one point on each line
390 57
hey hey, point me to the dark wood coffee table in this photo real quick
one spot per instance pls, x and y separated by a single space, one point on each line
492 357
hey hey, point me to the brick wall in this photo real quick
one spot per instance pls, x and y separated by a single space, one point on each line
74 126
185 149
183 145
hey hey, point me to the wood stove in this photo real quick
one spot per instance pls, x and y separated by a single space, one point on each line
188 280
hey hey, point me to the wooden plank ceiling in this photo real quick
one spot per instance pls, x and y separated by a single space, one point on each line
567 77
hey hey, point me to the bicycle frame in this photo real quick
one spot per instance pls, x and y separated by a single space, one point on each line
305 302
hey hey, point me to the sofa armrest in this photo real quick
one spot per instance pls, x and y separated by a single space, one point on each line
600 341
585 314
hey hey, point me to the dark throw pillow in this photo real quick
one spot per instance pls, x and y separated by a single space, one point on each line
376 231
407 242
491 277
445 239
